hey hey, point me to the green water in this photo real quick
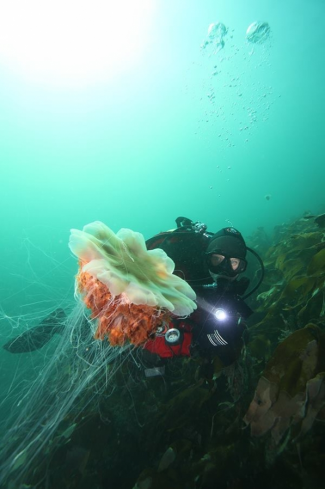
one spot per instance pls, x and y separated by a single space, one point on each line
173 130
150 142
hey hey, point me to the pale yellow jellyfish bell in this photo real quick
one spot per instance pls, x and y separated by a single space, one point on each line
129 289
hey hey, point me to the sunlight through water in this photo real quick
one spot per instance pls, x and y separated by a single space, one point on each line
71 42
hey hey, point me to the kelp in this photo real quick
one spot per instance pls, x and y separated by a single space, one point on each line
186 430
291 389
320 220
317 264
297 266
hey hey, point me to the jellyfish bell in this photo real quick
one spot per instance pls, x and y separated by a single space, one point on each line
130 290
258 32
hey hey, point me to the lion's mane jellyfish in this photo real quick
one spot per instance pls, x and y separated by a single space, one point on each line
130 291
124 293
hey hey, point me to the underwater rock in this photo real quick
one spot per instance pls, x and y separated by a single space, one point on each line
291 388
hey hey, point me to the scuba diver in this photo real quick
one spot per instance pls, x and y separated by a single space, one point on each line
212 265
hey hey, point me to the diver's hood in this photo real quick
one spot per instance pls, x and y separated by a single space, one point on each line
228 242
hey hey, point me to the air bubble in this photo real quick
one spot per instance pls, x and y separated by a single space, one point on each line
258 32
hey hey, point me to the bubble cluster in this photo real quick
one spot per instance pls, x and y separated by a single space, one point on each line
216 34
258 32
235 95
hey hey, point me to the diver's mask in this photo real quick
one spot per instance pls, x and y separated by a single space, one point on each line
226 253
225 265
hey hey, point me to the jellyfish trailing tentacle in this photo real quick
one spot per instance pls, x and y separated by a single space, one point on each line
130 291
